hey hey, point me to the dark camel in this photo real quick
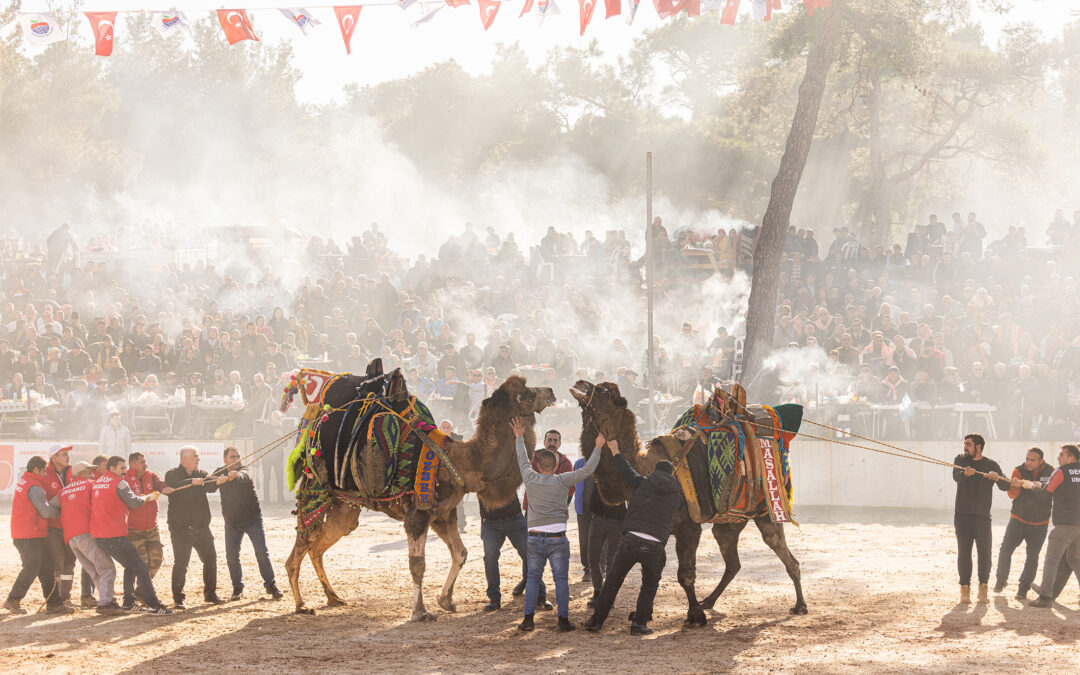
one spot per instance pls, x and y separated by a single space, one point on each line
488 466
604 410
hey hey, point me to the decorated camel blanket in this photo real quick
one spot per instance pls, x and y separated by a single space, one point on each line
730 468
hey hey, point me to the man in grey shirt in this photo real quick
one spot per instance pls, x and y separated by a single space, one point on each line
547 513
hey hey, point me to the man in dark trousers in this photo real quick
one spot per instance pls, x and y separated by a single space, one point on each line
189 524
1028 521
58 475
604 534
645 532
1064 539
974 494
30 511
242 515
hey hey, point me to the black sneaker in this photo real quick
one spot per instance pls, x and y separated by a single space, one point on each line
492 606
1021 593
640 629
236 595
60 609
179 605
999 586
160 610
213 599
519 589
88 602
543 605
111 609
129 606
274 592
527 624
564 625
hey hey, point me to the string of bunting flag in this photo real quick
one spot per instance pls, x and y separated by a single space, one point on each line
43 28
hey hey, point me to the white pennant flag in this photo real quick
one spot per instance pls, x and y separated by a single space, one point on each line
405 4
544 9
427 17
41 28
169 22
301 18
633 11
760 9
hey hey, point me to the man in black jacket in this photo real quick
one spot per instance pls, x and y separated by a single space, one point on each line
974 494
1028 521
189 524
242 514
646 529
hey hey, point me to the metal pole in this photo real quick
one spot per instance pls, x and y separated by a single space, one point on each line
649 288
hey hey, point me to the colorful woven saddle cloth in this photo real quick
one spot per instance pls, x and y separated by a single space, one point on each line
725 473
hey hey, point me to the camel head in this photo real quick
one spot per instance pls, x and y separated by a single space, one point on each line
514 399
604 411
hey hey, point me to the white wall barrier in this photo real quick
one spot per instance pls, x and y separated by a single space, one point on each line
160 455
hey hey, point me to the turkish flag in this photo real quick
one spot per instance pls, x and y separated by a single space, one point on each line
101 23
236 25
488 10
731 11
526 8
346 18
585 10
613 7
811 5
669 8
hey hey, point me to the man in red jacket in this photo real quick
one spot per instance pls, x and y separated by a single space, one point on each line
110 502
75 517
30 511
57 475
142 521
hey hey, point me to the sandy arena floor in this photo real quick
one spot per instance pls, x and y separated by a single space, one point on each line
881 589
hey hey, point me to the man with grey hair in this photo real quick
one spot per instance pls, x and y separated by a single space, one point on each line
189 524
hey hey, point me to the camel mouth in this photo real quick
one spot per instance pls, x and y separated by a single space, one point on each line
580 390
577 393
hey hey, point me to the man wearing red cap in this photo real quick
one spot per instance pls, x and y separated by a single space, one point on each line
58 475
30 511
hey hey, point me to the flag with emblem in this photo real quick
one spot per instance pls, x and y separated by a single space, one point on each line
585 10
169 22
488 10
41 28
236 25
346 18
730 13
102 24
301 18
613 8
669 8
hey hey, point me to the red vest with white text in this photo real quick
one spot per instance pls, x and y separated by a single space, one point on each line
108 513
53 484
75 508
145 516
26 522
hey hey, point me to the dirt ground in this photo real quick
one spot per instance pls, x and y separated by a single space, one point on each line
881 589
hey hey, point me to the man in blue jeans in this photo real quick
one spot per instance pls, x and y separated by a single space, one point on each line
546 492
242 514
496 526
111 499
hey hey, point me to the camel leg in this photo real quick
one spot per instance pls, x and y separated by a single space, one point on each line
292 567
773 536
341 521
687 537
416 529
727 537
445 525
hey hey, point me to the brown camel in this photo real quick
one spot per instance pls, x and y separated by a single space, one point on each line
488 466
604 410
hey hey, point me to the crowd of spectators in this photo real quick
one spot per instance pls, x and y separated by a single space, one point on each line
948 317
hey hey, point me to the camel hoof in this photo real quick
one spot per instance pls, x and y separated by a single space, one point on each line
695 618
447 604
426 616
799 609
306 611
335 602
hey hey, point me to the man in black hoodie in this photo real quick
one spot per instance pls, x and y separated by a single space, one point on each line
645 531
974 494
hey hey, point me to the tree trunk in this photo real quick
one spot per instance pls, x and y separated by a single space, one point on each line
876 218
761 317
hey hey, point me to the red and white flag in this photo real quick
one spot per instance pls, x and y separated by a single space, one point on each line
346 18
585 10
730 13
236 25
457 3
613 8
488 10
669 8
102 25
811 5
301 18
544 9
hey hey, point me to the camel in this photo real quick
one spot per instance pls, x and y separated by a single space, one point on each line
604 410
487 464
